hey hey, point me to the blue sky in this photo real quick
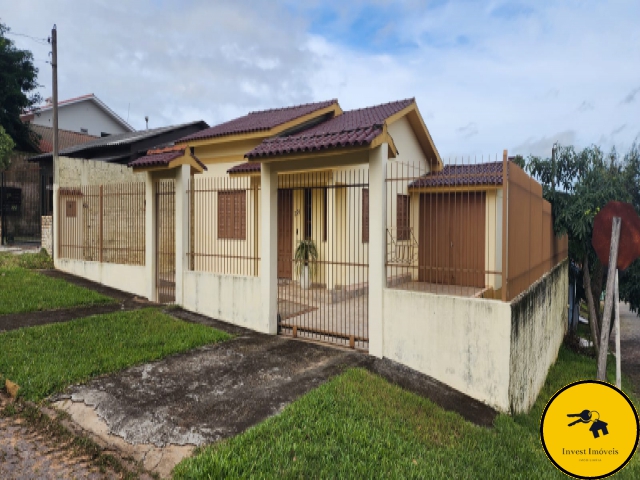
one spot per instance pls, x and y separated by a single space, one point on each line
487 75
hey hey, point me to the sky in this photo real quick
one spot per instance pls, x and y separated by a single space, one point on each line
486 75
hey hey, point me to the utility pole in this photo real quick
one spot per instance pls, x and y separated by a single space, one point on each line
54 72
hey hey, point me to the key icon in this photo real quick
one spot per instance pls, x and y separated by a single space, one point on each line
584 417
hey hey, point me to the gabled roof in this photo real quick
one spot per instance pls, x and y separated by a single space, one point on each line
479 174
260 121
170 157
247 167
66 138
84 98
353 128
117 140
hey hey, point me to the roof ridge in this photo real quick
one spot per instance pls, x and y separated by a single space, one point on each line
412 99
280 109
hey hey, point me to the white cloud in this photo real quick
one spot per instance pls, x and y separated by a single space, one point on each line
518 75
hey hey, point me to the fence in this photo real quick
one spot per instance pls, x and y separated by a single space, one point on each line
21 194
533 249
443 228
224 225
102 223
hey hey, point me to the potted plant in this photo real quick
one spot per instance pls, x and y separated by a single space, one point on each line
306 251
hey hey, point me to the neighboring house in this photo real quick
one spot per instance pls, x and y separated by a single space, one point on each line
86 114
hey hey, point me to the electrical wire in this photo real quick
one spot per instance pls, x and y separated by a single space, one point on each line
41 41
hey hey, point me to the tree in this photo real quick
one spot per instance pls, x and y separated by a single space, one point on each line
6 146
18 82
586 181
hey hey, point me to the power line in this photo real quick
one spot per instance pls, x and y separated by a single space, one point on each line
41 41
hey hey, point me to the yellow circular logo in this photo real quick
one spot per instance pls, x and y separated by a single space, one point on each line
589 429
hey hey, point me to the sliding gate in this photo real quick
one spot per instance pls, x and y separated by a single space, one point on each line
323 262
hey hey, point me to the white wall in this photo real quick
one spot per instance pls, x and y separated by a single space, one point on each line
81 115
73 172
462 342
127 278
230 298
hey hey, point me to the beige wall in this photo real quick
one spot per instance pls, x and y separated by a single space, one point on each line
127 278
73 172
538 325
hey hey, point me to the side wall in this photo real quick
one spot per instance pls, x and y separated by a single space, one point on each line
538 326
462 342
230 298
127 278
73 172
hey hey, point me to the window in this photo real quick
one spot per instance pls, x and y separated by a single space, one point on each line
403 219
84 130
232 215
308 220
365 215
71 207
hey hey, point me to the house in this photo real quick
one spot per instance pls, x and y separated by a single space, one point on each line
85 114
337 226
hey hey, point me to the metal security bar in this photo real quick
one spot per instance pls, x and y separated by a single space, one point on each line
166 241
224 216
444 227
323 263
102 223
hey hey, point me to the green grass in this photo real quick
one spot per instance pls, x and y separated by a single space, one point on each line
39 261
360 426
44 360
23 290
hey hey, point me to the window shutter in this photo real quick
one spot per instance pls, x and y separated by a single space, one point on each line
222 215
365 215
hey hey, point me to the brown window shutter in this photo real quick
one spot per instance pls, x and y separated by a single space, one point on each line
222 215
403 219
240 215
365 215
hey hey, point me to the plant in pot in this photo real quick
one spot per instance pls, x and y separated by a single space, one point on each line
305 253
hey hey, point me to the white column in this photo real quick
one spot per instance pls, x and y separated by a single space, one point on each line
150 236
269 248
182 228
377 245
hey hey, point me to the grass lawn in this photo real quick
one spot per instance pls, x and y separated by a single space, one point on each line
360 426
22 290
44 360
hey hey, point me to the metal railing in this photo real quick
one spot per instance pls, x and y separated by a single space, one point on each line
102 223
224 216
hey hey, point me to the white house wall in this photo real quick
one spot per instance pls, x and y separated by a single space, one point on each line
73 172
81 115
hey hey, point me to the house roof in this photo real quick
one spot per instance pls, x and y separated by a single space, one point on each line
479 174
353 128
163 158
247 167
66 138
83 98
118 140
263 120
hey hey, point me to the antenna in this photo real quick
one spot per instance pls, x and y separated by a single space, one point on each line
146 119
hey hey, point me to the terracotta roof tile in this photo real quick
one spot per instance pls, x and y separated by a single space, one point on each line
259 121
248 167
162 159
462 175
352 128
66 138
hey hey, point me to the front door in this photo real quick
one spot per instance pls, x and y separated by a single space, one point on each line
285 234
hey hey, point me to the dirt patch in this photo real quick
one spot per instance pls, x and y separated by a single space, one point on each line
124 301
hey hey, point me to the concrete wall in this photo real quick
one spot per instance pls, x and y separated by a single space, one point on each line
127 278
81 115
47 234
462 342
538 326
73 172
233 299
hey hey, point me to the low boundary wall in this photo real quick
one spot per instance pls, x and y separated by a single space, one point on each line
230 298
128 278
